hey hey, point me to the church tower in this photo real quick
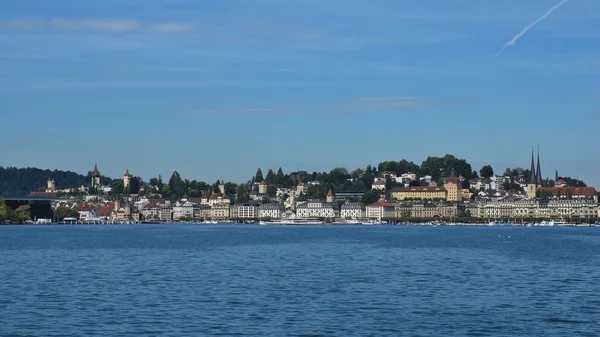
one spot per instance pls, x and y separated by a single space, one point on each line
330 196
95 176
532 183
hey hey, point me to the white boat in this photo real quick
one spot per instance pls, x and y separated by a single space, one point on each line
352 222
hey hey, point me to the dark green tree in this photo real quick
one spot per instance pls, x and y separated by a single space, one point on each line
486 171
369 197
270 177
176 185
242 194
258 177
280 177
159 184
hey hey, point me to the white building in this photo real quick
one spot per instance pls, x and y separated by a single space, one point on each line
381 210
166 213
271 211
352 211
378 185
245 211
183 209
315 209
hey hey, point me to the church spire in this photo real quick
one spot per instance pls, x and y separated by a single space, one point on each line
533 179
538 172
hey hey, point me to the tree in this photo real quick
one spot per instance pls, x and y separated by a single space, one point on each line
159 184
134 185
22 213
369 197
177 185
117 187
230 188
62 212
270 177
280 177
3 211
216 188
389 183
486 171
242 194
258 177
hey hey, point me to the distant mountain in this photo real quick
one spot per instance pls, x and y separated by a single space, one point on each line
22 181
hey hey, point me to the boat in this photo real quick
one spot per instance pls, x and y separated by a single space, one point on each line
352 222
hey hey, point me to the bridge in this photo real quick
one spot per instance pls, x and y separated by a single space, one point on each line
40 206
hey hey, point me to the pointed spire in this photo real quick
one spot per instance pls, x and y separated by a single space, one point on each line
532 179
538 172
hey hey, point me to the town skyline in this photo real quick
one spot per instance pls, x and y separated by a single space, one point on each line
215 89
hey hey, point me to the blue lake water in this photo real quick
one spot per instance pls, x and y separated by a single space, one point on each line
234 280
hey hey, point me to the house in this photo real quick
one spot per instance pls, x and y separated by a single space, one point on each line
106 211
378 185
352 210
86 211
381 210
453 186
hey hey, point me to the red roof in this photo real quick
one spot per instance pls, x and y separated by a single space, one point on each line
330 193
82 207
106 210
262 183
581 191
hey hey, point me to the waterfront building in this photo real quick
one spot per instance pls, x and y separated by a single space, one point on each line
555 208
202 211
380 210
427 209
244 211
352 210
182 209
271 211
220 211
315 209
166 213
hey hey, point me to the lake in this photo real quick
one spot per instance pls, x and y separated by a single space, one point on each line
249 280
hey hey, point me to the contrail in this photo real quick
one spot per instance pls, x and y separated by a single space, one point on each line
514 40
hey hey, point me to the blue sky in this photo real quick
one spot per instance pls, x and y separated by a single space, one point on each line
215 89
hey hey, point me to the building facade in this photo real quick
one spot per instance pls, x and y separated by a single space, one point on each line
315 209
420 192
352 210
271 211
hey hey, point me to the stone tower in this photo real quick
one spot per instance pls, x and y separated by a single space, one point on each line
262 187
95 176
126 179
330 196
222 188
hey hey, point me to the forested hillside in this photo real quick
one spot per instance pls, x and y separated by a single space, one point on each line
21 181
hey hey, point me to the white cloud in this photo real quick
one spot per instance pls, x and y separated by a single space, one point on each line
21 24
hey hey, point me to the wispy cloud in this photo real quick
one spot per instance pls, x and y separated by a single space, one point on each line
172 27
367 105
514 40
96 24
20 25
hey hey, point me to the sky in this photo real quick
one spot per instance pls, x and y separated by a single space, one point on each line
215 89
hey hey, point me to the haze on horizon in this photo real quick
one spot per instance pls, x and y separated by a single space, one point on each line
215 89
